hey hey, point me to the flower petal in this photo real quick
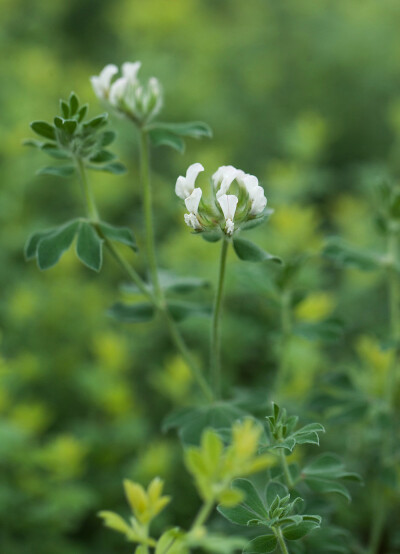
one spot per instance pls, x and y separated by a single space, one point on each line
130 70
192 202
192 221
185 185
228 203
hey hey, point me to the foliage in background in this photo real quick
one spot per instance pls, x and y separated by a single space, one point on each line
308 100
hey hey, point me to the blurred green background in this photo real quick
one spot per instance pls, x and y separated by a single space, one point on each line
303 94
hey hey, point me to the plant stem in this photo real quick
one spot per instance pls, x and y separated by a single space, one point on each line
286 330
139 282
87 191
148 211
394 311
215 346
281 541
285 468
203 514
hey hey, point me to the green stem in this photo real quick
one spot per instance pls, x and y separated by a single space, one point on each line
203 515
285 468
286 330
394 310
87 191
148 211
215 347
281 541
184 351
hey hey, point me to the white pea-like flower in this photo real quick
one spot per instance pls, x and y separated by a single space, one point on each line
127 95
222 212
101 83
192 221
228 203
185 185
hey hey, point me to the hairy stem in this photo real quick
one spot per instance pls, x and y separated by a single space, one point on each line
148 211
203 514
87 191
281 541
215 346
285 468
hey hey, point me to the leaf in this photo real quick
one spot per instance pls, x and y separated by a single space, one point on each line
43 129
55 152
250 252
395 207
102 156
107 138
89 247
323 475
69 126
73 103
212 236
119 234
295 532
193 129
275 489
117 168
171 542
96 122
261 545
163 137
348 256
51 247
192 421
182 310
64 109
240 515
60 171
252 499
132 313
328 330
182 285
32 243
82 112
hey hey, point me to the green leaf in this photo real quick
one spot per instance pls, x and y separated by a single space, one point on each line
43 129
107 138
240 515
96 122
132 313
328 330
193 129
261 545
102 156
59 171
55 152
275 489
348 256
89 247
182 310
250 252
51 247
32 243
82 112
212 236
117 168
70 126
295 532
64 109
73 103
192 421
252 499
171 542
163 137
182 285
119 234
323 475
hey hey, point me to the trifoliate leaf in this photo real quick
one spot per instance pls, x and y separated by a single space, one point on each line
51 247
250 252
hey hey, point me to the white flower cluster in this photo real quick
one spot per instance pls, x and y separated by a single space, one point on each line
226 211
127 94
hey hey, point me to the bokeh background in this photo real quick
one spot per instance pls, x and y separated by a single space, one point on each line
303 94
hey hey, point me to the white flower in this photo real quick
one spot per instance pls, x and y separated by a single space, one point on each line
192 221
130 70
228 203
258 200
154 96
185 185
192 202
118 91
223 178
101 83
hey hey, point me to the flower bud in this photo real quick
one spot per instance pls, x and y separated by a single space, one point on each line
225 212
